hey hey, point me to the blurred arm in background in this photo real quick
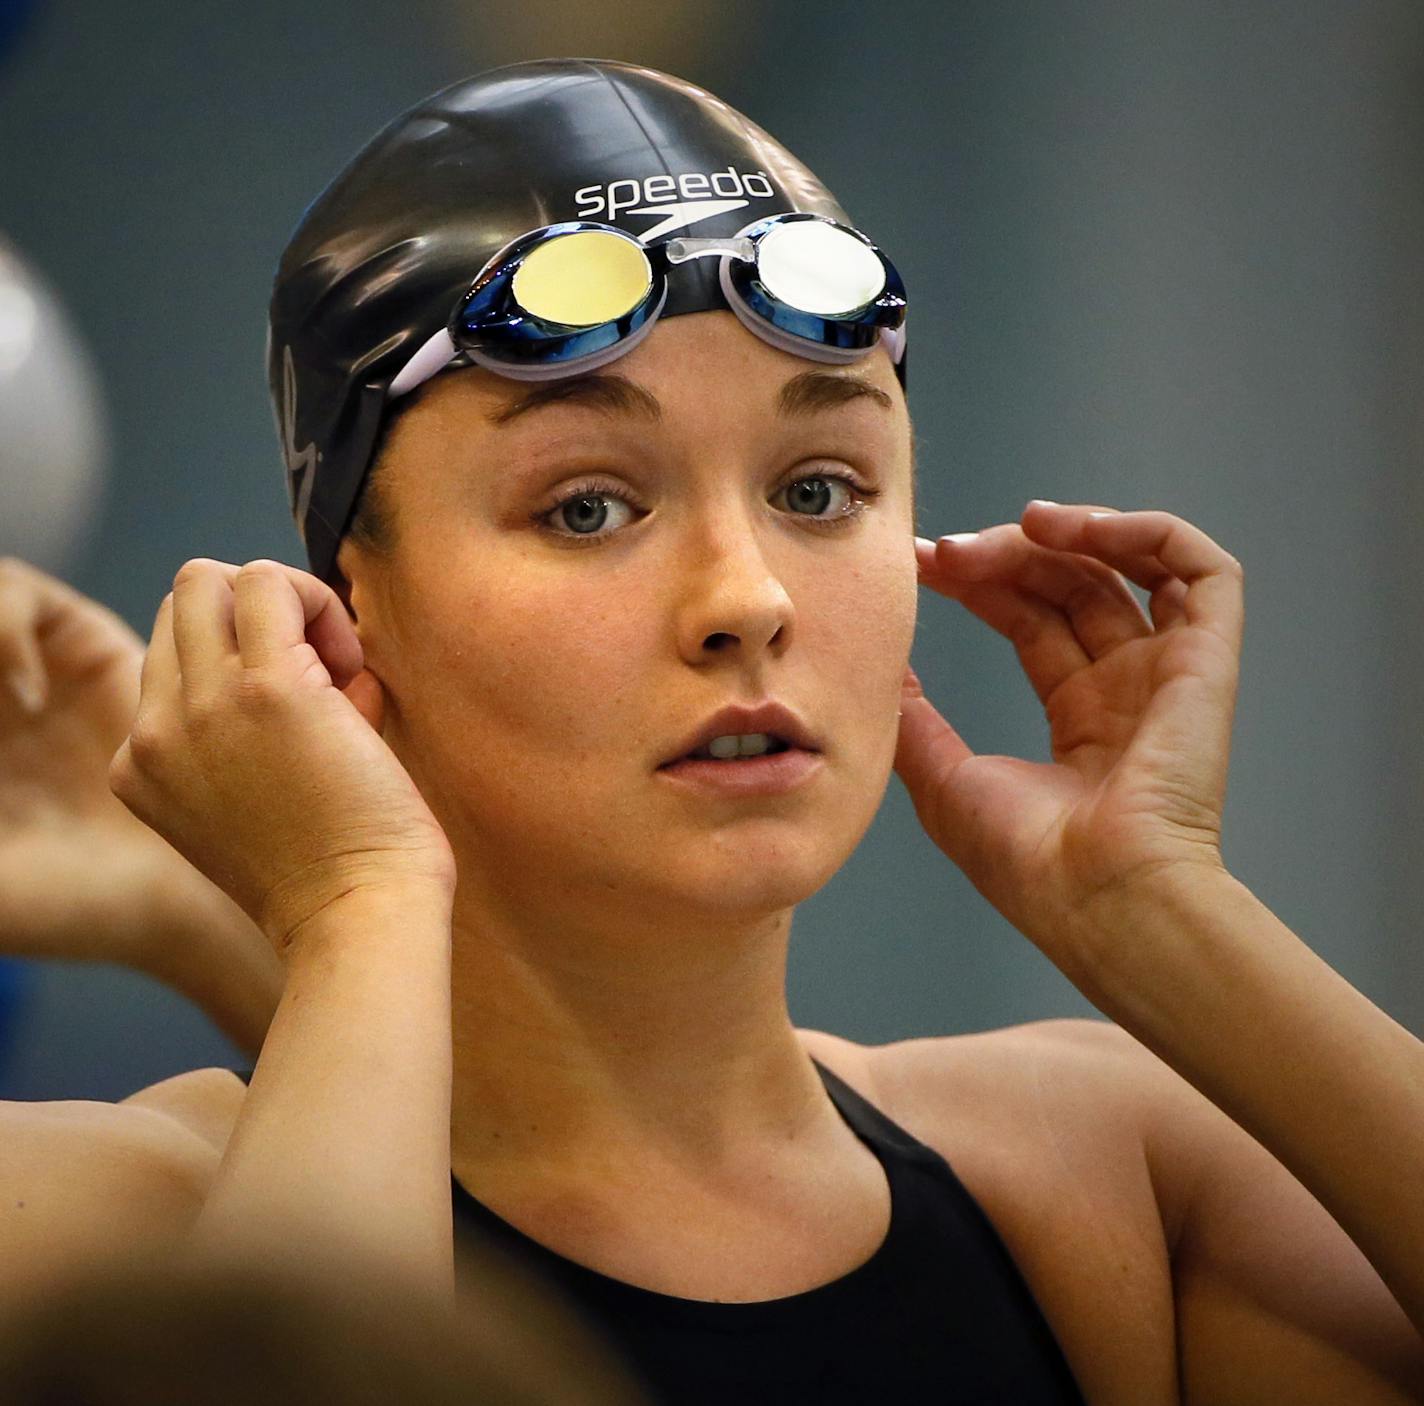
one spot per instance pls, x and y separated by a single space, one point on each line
80 878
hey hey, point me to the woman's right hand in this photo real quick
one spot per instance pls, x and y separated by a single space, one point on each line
256 750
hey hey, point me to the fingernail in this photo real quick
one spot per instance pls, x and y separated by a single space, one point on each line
959 537
923 542
28 690
1102 514
1042 503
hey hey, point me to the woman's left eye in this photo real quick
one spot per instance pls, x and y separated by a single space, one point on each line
857 497
811 492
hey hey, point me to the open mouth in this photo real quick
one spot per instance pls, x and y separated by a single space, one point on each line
705 754
725 751
746 735
779 768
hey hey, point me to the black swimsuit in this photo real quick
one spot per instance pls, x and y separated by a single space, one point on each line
939 1313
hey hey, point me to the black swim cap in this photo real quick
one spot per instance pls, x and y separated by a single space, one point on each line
384 253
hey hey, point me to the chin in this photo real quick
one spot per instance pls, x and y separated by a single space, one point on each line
743 875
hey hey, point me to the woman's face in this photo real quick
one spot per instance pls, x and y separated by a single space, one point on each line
541 661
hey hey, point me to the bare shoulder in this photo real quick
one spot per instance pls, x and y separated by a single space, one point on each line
1053 1061
206 1102
81 1179
1046 1124
1088 1087
1081 1090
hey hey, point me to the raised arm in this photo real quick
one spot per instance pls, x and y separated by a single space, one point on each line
1109 860
256 751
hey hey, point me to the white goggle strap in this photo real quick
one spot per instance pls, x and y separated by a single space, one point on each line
434 354
894 339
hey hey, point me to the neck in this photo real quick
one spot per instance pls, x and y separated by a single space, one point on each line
579 1032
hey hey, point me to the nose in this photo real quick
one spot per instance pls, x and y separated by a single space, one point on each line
734 598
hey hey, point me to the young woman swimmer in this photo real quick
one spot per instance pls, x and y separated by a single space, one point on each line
643 489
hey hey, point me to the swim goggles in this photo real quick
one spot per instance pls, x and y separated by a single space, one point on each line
571 296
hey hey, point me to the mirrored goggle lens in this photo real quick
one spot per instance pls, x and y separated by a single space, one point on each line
583 279
817 268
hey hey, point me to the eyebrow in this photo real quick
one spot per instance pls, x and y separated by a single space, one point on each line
804 394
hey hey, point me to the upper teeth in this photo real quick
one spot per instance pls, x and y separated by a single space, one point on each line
751 744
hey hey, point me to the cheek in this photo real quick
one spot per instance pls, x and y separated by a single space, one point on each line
517 715
864 620
861 645
538 673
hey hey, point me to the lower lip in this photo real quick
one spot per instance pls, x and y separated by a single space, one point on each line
751 776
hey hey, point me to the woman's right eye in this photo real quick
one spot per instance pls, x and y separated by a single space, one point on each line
582 512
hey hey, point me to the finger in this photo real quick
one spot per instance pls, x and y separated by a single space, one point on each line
22 667
1047 649
159 677
159 682
277 608
1165 592
928 748
1093 598
204 632
367 694
1148 546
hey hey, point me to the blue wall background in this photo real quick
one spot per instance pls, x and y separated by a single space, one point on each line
1160 255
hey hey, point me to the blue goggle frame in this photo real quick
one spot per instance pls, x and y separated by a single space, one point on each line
490 328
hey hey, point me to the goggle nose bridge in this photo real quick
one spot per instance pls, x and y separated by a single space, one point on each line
679 250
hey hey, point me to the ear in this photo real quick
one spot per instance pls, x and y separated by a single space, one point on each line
359 582
342 587
349 581
368 695
356 580
341 577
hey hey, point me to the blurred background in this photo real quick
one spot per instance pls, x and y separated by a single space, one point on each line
1159 254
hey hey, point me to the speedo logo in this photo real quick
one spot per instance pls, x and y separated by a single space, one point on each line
682 200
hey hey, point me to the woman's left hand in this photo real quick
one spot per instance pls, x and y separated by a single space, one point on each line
1139 713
